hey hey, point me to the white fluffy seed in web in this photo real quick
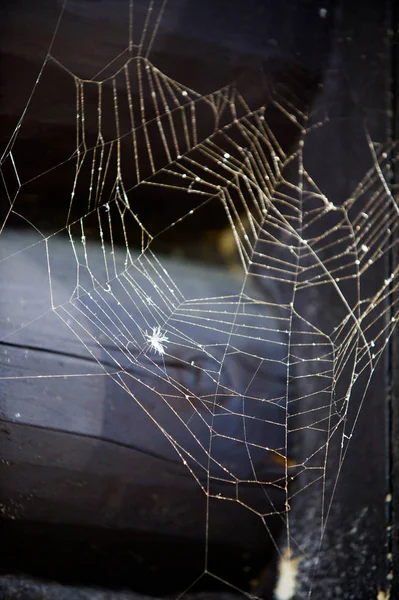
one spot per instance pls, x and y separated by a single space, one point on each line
156 340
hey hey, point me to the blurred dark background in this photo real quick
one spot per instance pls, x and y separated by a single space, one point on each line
257 49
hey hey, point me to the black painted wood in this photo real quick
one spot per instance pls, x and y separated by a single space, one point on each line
350 560
85 472
393 374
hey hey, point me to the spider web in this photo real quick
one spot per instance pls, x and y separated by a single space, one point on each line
250 388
